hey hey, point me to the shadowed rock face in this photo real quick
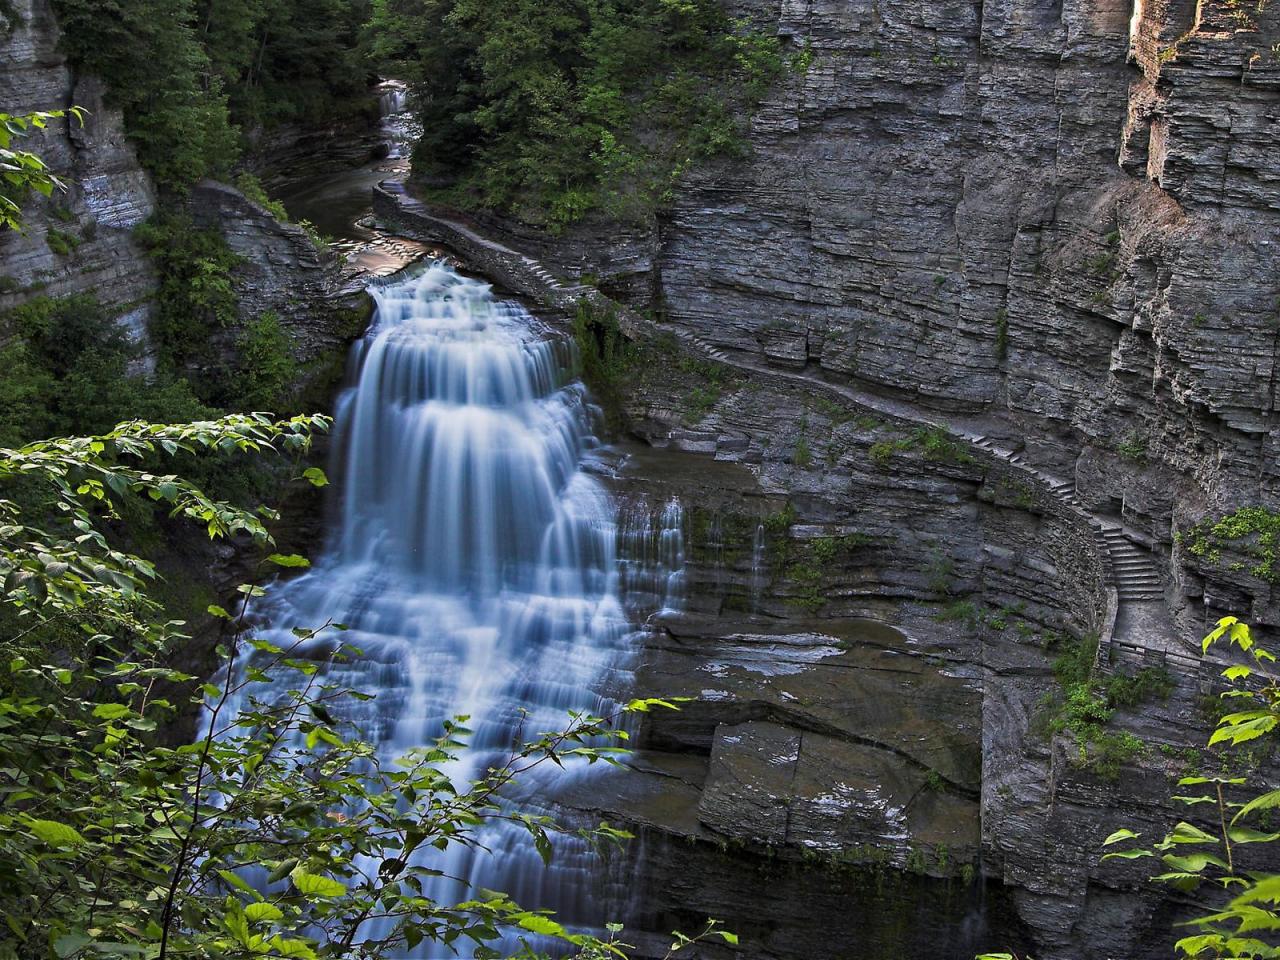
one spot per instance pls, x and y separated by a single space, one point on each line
108 193
839 758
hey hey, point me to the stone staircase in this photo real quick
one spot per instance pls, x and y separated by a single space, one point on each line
1133 569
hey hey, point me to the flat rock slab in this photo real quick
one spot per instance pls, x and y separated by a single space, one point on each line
774 785
855 681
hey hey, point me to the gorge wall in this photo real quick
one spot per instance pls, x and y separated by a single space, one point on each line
1061 219
79 241
903 772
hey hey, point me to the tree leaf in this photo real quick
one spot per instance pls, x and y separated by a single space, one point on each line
258 912
56 834
71 943
314 885
288 560
1118 836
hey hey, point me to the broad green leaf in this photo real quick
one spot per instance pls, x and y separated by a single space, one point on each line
314 885
1186 833
1266 801
56 834
1127 854
239 883
1194 946
1118 836
71 943
537 923
1193 862
1266 890
258 912
288 560
1245 835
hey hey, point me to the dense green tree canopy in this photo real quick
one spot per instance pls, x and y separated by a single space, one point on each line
554 108
191 74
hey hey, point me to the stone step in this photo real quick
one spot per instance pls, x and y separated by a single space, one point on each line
1126 562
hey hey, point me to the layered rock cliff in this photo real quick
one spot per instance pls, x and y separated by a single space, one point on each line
1054 224
1061 218
79 241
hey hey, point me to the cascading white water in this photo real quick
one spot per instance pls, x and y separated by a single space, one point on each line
652 556
476 561
399 127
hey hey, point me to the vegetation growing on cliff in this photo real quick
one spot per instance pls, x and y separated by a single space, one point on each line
189 74
66 368
1086 703
933 443
551 110
196 309
611 361
1254 531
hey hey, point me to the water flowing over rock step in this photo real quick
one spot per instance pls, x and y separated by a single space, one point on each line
1140 634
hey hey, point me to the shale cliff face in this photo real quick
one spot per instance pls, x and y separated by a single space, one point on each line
79 241
1054 224
1063 218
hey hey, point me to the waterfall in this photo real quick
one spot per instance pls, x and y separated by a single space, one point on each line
652 548
399 127
757 568
475 561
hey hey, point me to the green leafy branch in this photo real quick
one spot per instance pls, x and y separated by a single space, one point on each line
22 171
1247 924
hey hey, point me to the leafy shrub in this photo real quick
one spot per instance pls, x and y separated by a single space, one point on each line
25 172
803 456
67 368
1086 704
252 188
63 244
268 372
1218 854
1255 530
934 444
196 295
1133 447
117 843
